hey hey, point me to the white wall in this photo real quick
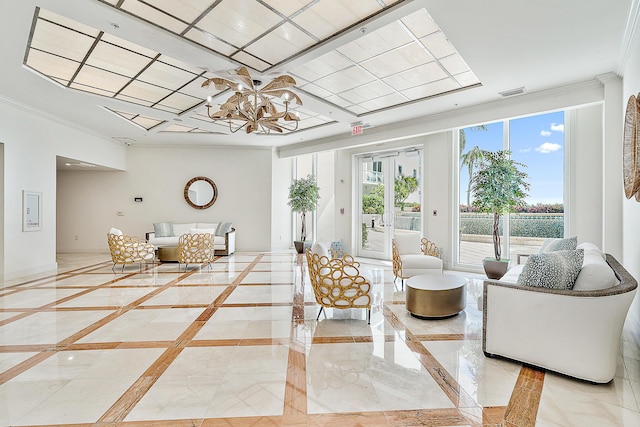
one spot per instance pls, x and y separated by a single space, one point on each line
438 193
586 174
281 237
31 144
89 201
326 212
631 208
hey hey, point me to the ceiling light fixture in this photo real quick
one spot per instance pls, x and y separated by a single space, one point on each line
251 108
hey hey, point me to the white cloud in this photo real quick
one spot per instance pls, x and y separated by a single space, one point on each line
524 150
545 133
548 147
557 128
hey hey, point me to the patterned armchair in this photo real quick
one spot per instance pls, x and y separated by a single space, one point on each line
128 249
338 282
195 249
413 255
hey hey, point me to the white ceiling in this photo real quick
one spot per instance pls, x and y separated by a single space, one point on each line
502 44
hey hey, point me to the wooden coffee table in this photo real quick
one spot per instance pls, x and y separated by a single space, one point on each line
436 295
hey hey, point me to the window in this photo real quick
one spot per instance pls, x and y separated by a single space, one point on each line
537 142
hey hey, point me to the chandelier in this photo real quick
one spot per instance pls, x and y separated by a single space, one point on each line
251 108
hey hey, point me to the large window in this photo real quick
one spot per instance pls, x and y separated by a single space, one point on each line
537 142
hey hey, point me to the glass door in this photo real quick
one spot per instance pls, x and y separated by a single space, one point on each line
390 197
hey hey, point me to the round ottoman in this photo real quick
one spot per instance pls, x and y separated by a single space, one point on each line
436 295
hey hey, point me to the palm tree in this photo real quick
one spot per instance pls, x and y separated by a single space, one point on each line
472 158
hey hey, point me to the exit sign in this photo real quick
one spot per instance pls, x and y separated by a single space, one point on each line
356 130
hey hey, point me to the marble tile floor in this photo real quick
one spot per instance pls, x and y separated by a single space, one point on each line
239 345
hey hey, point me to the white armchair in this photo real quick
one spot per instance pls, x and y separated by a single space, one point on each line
128 249
413 255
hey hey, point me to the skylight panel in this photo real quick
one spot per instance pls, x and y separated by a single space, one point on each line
327 17
153 15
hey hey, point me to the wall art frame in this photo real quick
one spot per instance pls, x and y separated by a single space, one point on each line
31 210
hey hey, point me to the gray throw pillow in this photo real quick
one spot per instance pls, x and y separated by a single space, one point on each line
223 228
555 270
163 229
550 245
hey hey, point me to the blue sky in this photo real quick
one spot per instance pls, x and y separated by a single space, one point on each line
536 141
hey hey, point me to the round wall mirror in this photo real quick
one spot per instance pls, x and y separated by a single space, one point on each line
200 192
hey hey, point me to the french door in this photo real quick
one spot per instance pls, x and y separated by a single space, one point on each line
389 194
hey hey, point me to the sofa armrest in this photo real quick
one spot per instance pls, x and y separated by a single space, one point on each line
149 235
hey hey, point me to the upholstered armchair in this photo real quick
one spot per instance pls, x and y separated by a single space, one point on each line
195 249
413 255
338 282
128 249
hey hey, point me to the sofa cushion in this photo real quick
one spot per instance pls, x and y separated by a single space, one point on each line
223 228
556 270
588 246
320 249
180 229
163 229
407 243
550 245
595 273
202 231
512 274
165 241
420 262
213 225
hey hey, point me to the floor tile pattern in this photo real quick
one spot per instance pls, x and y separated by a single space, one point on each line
238 344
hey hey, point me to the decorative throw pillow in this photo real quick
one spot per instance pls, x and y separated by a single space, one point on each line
163 229
555 270
223 228
551 245
115 231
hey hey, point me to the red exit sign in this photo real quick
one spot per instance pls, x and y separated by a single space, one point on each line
356 130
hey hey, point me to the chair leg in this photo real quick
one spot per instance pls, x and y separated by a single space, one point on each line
113 267
368 316
123 267
320 312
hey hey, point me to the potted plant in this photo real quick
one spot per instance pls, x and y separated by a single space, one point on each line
498 187
303 197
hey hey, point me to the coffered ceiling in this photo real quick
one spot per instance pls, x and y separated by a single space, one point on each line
133 69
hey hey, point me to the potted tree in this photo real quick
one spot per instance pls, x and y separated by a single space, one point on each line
303 197
498 187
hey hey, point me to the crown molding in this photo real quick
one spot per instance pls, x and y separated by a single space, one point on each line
630 30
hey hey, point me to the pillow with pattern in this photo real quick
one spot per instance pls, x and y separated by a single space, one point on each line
551 245
163 229
554 270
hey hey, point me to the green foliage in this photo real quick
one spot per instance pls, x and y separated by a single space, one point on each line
403 187
373 203
365 234
304 194
498 187
303 197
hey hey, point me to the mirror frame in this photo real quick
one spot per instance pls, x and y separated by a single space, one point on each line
201 178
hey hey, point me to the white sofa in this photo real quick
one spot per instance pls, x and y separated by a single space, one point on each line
574 332
223 245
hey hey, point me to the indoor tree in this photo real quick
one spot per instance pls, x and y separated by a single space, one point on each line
498 187
303 197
